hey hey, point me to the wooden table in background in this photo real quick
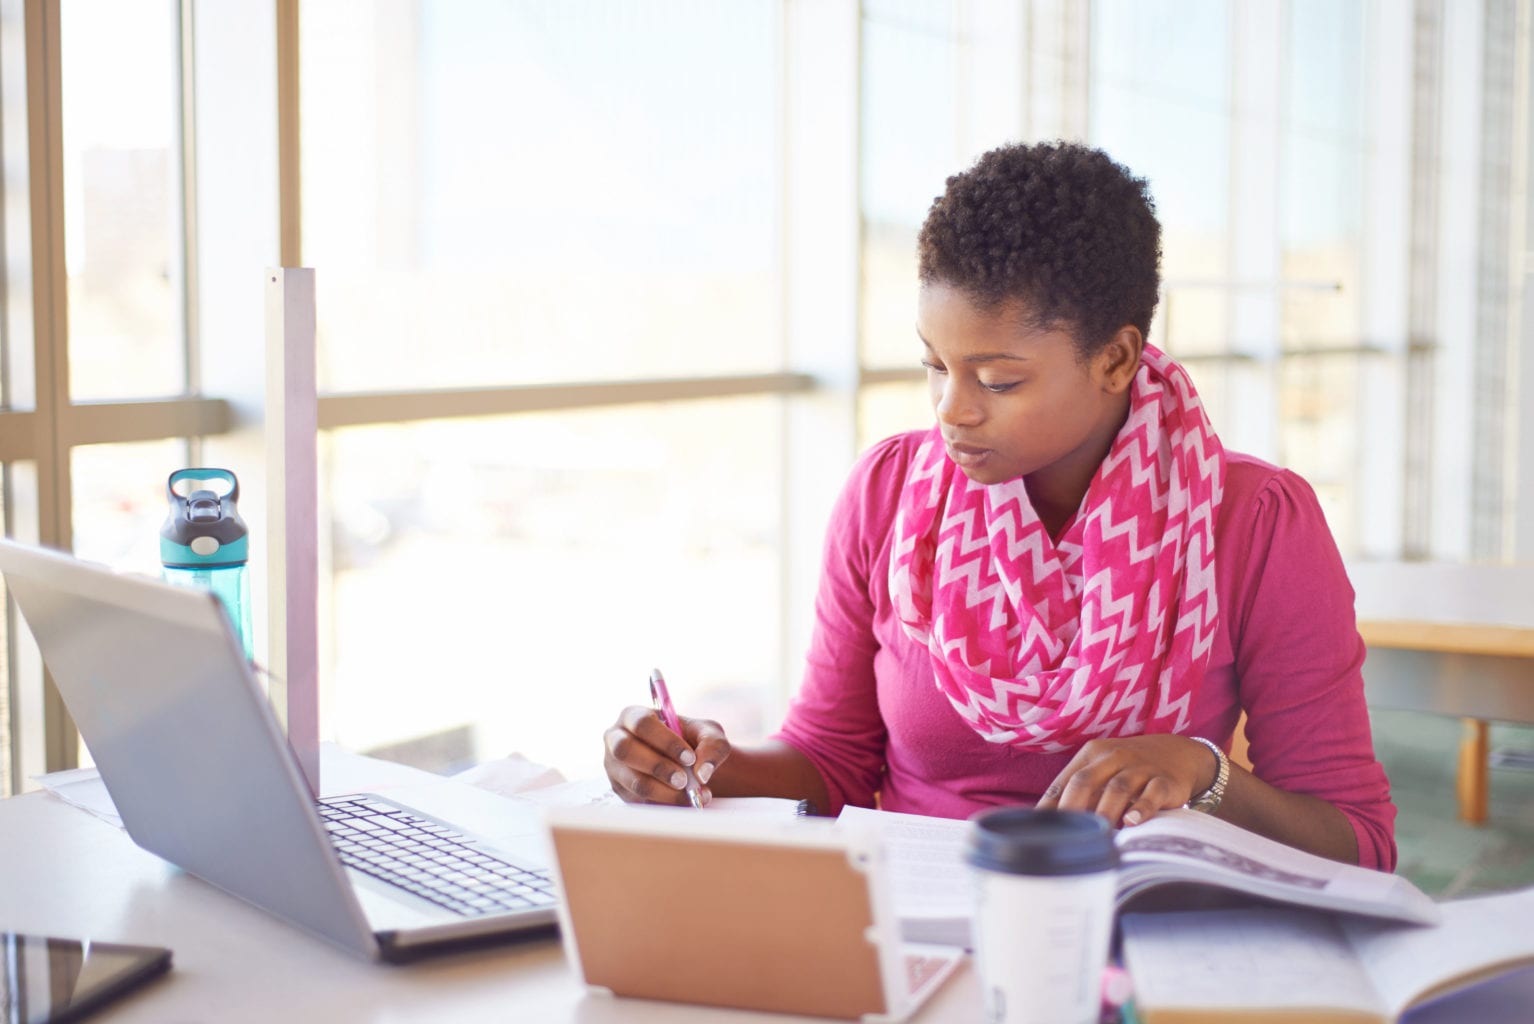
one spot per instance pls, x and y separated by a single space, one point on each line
1453 640
1479 673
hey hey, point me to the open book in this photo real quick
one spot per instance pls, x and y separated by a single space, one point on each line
933 893
1275 965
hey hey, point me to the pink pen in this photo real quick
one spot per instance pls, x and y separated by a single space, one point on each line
660 697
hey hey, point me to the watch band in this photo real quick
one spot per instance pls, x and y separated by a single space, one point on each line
1209 800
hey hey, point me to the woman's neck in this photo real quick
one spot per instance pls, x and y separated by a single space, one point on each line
1057 490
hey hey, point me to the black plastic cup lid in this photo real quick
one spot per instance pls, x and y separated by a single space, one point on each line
1026 841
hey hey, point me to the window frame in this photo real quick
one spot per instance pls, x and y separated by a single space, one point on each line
232 205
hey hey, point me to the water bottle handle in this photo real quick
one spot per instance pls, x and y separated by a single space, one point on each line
233 494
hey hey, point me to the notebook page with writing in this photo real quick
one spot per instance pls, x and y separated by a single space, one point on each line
1207 964
930 885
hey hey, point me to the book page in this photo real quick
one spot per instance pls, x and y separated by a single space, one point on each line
930 885
933 891
1267 958
1187 846
1475 934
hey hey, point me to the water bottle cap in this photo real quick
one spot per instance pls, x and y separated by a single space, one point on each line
203 528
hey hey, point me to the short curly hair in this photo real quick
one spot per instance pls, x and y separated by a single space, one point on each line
1061 228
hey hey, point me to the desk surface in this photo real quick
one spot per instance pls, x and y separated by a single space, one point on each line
70 874
81 877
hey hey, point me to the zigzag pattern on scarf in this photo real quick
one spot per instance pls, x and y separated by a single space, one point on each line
1045 644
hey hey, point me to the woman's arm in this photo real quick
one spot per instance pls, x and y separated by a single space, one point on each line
646 763
1301 820
830 749
773 768
835 720
1128 780
1298 659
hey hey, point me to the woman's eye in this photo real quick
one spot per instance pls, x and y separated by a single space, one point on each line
998 389
934 367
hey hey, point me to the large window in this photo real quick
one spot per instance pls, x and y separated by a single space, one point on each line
94 370
1272 163
1169 121
122 199
505 195
911 109
15 356
610 292
536 192
940 83
506 585
1326 357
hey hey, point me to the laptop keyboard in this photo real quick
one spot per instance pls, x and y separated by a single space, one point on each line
429 859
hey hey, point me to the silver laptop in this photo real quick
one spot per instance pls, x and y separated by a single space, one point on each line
202 775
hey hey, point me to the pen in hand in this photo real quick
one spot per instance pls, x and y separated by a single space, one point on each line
660 698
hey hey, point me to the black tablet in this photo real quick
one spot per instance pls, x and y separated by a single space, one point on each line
50 980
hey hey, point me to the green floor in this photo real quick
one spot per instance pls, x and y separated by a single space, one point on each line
1441 854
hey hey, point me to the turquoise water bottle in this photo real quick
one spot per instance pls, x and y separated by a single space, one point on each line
204 543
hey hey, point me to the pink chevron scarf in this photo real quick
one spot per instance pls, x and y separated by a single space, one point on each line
1045 644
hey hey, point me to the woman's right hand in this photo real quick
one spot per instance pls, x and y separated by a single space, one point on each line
646 762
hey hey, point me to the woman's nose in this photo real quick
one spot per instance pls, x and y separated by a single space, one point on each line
954 407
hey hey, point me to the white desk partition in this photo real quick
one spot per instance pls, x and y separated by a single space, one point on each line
1445 592
1452 639
292 487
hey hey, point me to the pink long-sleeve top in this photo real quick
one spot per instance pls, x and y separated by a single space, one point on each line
871 719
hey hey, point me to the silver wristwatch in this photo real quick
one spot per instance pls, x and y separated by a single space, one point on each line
1209 800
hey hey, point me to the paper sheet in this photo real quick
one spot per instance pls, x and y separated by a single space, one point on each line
1475 932
1249 958
82 788
925 855
512 775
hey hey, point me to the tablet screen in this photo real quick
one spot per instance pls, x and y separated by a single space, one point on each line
49 981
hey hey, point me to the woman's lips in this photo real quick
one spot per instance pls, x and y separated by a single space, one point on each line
967 456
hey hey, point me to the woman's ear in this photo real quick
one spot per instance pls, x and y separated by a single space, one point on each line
1118 360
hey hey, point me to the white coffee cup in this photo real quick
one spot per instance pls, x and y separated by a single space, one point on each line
1044 883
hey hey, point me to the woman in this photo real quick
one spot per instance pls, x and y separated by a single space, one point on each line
1066 592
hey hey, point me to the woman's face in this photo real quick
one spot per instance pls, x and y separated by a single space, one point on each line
1015 401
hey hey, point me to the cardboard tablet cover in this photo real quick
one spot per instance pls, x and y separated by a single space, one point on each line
673 904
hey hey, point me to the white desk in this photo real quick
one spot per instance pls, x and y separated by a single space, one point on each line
67 873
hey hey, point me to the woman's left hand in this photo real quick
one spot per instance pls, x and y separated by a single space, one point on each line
1128 779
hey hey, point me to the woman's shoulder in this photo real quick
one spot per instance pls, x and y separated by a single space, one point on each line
1255 487
889 458
1269 513
871 495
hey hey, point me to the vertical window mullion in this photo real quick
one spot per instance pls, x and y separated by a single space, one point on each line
45 131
